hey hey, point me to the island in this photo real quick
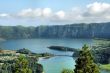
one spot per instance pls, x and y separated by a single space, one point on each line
62 48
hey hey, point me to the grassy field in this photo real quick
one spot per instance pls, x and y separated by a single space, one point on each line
105 67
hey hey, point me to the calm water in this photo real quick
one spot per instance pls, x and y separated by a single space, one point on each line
54 64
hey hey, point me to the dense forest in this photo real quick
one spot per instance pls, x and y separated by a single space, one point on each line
82 30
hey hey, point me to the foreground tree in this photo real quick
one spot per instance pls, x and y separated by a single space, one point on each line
22 65
85 63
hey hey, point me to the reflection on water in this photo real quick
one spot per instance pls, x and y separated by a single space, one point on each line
57 64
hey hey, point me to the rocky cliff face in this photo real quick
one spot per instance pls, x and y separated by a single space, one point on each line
92 30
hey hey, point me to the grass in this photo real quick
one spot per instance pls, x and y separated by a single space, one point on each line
105 67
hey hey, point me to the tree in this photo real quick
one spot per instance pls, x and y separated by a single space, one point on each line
22 65
85 62
34 65
5 68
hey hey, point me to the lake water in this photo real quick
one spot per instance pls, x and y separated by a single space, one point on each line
54 64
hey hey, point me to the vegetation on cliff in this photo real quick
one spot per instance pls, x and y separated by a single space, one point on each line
92 30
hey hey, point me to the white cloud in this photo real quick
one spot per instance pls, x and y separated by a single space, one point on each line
46 12
37 12
98 10
60 14
26 13
33 13
94 12
3 15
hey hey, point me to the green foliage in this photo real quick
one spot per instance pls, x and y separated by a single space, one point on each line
105 67
101 51
67 71
16 32
24 51
5 68
85 63
21 65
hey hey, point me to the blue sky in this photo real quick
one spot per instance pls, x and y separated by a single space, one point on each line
50 12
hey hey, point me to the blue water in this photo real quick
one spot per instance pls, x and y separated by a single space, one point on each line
54 64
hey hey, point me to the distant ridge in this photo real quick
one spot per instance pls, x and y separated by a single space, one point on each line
81 30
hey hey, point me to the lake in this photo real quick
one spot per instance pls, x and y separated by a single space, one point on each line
54 64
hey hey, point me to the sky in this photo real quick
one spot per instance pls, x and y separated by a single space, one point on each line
53 12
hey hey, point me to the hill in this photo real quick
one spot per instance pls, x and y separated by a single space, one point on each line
81 30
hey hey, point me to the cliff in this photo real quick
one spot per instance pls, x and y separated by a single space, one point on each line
82 30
